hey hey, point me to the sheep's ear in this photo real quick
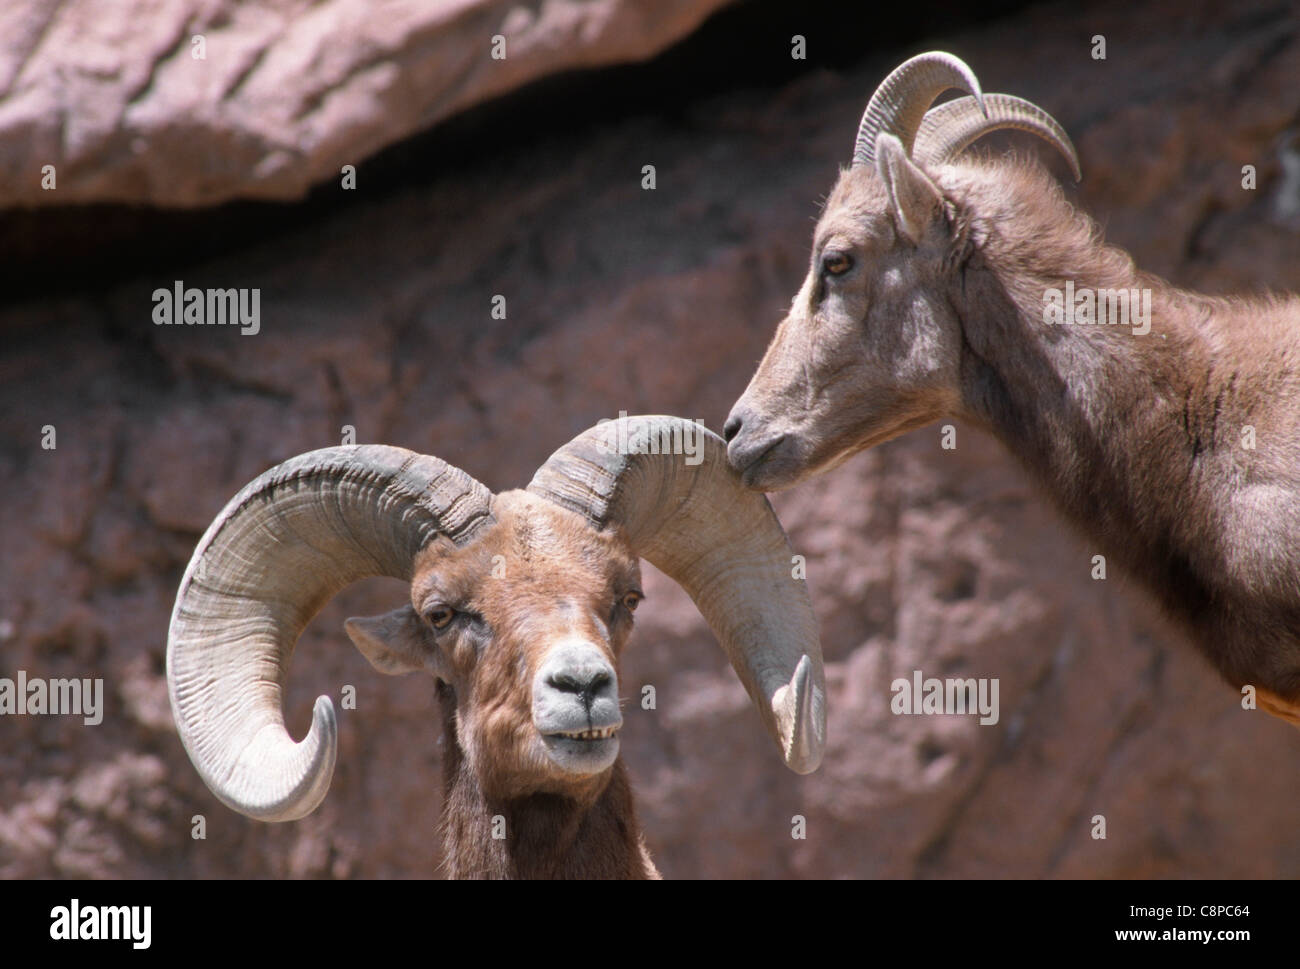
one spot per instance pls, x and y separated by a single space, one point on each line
915 200
394 642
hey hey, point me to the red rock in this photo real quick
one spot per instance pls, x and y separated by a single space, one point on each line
917 557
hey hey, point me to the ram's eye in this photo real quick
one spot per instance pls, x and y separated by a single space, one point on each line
632 600
836 263
440 616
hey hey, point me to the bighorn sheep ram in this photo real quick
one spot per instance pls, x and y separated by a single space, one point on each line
520 605
936 279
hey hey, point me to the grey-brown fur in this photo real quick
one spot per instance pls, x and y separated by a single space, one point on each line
1140 440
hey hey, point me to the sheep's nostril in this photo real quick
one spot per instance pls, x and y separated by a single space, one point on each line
731 428
586 685
563 682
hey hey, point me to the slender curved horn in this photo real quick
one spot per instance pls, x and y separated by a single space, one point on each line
949 129
275 555
902 99
722 543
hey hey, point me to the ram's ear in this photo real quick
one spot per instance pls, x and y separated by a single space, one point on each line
916 201
395 642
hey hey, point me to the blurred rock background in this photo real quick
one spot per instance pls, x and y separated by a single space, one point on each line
522 178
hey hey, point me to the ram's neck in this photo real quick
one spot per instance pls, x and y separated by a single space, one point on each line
1172 442
1131 427
541 836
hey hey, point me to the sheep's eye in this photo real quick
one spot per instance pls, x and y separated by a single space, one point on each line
440 616
836 263
632 600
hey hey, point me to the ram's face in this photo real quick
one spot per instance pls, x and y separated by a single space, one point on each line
526 625
869 349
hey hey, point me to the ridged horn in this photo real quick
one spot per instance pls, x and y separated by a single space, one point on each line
949 129
693 519
902 99
281 548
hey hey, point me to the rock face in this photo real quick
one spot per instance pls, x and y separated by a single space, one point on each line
378 316
201 101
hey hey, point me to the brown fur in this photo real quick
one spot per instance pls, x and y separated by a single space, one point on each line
587 832
555 577
1138 440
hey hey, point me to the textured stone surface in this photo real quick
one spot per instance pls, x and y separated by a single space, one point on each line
114 95
623 299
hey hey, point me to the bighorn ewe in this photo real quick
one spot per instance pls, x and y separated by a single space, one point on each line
520 606
936 279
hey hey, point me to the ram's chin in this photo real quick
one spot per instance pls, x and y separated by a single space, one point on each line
790 464
793 458
779 472
581 756
779 468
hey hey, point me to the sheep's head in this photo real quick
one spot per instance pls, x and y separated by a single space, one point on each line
525 625
872 345
520 603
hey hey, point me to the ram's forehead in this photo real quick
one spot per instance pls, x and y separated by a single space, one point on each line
544 530
532 538
856 206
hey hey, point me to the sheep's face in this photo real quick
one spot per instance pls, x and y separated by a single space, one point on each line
525 625
870 347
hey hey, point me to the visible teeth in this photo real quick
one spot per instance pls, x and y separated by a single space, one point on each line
602 733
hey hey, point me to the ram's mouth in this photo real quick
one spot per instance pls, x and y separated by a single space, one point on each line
582 752
590 733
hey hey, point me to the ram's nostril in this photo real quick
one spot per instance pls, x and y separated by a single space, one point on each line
731 428
564 682
587 684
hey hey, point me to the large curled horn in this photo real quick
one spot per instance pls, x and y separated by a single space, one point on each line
696 522
902 99
279 551
949 129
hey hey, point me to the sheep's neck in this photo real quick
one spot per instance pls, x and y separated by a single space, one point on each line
1084 406
539 835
